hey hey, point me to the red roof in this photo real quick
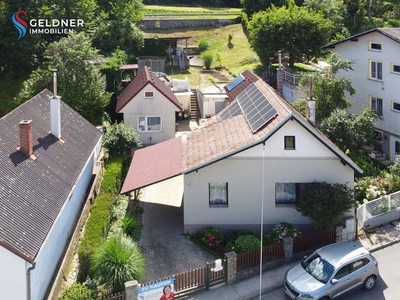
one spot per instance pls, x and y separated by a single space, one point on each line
153 164
249 78
142 79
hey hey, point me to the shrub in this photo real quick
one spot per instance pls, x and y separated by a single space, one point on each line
208 58
132 227
112 177
117 261
76 291
246 243
211 237
118 138
281 231
203 45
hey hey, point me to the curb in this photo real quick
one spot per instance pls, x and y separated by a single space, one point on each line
377 248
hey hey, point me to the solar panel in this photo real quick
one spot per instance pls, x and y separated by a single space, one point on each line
231 85
232 110
256 107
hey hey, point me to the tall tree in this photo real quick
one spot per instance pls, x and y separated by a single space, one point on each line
80 83
291 29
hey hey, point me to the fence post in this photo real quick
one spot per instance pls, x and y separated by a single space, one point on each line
231 265
288 247
131 292
207 276
339 233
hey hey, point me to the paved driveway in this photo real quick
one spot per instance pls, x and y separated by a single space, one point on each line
166 250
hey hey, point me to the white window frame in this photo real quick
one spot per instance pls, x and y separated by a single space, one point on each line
149 97
376 63
146 127
392 68
218 194
374 104
395 109
373 49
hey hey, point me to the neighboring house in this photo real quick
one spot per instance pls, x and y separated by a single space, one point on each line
47 154
258 147
149 107
376 77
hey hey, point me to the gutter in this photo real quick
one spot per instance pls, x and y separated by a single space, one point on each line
28 280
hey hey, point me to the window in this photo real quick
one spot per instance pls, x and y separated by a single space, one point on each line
149 124
376 70
377 135
375 46
396 69
290 143
358 264
376 105
218 192
397 148
288 193
343 271
396 106
149 94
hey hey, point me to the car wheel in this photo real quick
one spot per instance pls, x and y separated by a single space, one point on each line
325 298
369 283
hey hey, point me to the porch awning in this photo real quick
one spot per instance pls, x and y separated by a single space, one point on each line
154 164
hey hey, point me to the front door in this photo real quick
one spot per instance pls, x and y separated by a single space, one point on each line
394 147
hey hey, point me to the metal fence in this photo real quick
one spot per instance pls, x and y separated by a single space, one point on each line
291 78
377 207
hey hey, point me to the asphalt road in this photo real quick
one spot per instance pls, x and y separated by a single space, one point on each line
386 288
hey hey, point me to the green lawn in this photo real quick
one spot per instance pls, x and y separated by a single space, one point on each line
178 10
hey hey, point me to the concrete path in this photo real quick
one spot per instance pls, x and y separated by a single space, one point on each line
166 250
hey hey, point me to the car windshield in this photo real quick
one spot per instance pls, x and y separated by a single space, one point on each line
318 267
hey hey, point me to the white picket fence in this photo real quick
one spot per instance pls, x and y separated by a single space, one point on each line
378 208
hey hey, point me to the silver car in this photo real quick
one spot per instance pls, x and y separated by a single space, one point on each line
332 271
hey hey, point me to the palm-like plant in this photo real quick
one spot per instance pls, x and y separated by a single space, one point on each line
117 261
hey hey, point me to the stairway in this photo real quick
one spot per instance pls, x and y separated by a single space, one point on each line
194 107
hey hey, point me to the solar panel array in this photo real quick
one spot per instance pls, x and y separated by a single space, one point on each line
256 107
231 111
234 83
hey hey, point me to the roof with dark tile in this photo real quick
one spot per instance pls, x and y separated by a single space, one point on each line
217 140
392 33
249 78
142 79
32 192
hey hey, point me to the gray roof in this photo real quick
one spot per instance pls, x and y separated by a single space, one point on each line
32 192
392 33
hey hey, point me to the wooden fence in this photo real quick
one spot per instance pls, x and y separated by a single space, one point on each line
119 296
252 258
314 240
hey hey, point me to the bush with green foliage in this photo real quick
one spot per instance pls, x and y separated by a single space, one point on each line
246 243
118 138
211 237
112 177
208 58
76 291
203 45
281 231
132 227
117 261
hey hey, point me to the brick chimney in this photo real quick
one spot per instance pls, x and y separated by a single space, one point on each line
25 137
55 114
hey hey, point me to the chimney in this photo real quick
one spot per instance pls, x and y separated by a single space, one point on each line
311 105
25 137
279 74
55 114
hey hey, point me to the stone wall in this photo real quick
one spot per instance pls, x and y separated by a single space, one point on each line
172 24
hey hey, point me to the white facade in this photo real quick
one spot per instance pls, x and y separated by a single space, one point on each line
371 86
247 183
158 107
211 101
13 280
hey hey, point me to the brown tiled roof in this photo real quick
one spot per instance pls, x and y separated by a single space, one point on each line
142 79
249 78
392 33
32 192
217 139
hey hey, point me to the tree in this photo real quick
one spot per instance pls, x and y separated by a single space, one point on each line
328 90
290 29
80 83
350 132
117 261
118 138
324 203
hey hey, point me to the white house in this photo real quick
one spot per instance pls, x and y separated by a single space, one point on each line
47 154
149 107
259 149
376 77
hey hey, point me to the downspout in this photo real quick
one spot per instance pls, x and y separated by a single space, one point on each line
28 279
